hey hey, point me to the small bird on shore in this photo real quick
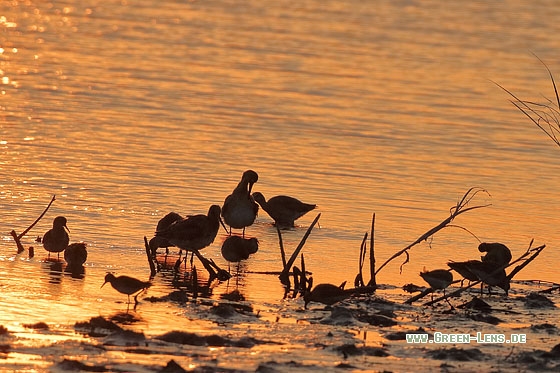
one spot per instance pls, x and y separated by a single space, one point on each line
240 209
75 254
127 285
438 279
284 210
463 269
496 253
489 274
56 239
327 294
235 249
195 232
157 241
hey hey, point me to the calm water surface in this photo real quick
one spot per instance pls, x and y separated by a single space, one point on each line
128 110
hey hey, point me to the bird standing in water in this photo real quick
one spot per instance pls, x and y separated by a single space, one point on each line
127 285
437 279
76 254
56 239
240 209
195 232
235 249
284 210
157 241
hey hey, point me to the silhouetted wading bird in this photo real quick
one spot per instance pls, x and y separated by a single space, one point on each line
490 274
240 209
284 210
127 285
327 294
157 241
75 254
496 253
57 239
195 232
437 279
463 269
235 249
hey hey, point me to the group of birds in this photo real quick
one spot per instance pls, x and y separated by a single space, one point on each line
195 232
490 270
239 211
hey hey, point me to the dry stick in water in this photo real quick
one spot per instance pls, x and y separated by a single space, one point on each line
359 280
282 252
284 276
372 281
456 210
18 238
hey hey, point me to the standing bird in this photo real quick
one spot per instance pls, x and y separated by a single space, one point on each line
157 241
235 249
240 209
195 232
57 239
437 279
127 285
462 268
496 253
75 255
284 210
490 274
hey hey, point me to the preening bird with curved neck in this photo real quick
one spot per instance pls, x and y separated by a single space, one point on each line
284 210
240 209
56 240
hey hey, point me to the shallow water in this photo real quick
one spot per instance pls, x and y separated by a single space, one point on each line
128 110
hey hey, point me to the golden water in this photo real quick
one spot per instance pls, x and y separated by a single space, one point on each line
126 110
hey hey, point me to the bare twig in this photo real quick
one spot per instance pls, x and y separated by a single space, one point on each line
280 242
545 116
359 280
459 208
372 282
284 275
18 238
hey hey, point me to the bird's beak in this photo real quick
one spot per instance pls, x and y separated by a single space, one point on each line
103 284
223 225
250 188
68 229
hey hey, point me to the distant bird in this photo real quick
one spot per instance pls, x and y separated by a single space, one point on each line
496 253
195 232
490 274
57 239
75 255
438 279
235 249
157 241
327 294
284 210
127 285
240 209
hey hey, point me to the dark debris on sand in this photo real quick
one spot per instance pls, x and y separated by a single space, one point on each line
78 366
213 340
352 350
457 354
539 360
97 327
535 300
